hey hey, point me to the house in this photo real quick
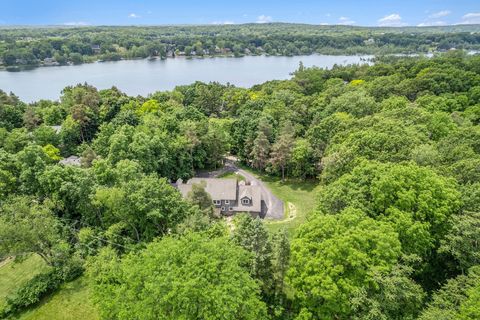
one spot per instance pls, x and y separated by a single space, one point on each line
229 196
50 62
71 161
95 48
57 128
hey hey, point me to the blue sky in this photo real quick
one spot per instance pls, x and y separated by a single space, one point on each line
151 12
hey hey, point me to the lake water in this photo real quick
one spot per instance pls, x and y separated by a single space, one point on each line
141 77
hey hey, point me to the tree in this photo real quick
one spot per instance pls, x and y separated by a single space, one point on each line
470 308
193 277
31 163
333 256
358 103
201 198
30 227
457 293
52 152
280 261
282 148
260 151
302 159
250 234
463 240
400 194
149 206
392 295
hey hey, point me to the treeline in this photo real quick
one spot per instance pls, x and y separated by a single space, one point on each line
395 147
57 45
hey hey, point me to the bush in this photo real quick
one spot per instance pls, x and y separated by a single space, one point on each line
32 291
39 286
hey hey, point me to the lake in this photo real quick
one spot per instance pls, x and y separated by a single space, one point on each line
141 77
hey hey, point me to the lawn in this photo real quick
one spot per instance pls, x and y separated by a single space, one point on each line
72 301
231 175
14 274
299 198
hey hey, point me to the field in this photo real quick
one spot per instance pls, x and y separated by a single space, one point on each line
13 275
231 175
299 198
72 301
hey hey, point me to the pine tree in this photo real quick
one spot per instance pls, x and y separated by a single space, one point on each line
282 148
260 151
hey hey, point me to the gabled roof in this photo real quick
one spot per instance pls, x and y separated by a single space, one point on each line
219 189
254 193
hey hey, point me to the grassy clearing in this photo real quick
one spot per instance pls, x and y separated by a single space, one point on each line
299 198
72 301
13 274
231 175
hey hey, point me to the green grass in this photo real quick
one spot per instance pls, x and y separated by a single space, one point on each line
299 198
14 274
72 301
231 175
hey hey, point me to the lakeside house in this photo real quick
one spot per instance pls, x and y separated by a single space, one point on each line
228 195
71 161
96 48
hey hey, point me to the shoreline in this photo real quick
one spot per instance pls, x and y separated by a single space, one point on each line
157 58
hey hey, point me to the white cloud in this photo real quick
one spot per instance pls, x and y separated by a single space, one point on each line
439 14
223 22
76 23
471 18
134 16
345 21
324 23
264 19
392 20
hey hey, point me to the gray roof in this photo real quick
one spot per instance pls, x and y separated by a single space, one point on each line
56 128
254 193
219 189
71 161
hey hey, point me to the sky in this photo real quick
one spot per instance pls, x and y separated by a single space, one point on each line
160 12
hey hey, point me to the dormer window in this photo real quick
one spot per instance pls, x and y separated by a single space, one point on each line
217 202
245 201
227 201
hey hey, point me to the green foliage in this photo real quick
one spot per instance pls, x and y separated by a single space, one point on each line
149 207
77 45
163 280
415 200
463 240
393 295
250 234
335 255
28 227
458 293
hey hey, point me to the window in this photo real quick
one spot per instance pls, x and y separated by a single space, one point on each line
216 202
245 201
223 209
227 201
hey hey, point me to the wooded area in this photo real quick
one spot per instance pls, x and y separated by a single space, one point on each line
394 146
68 45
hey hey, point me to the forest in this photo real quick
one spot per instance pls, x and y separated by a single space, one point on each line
393 147
22 47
